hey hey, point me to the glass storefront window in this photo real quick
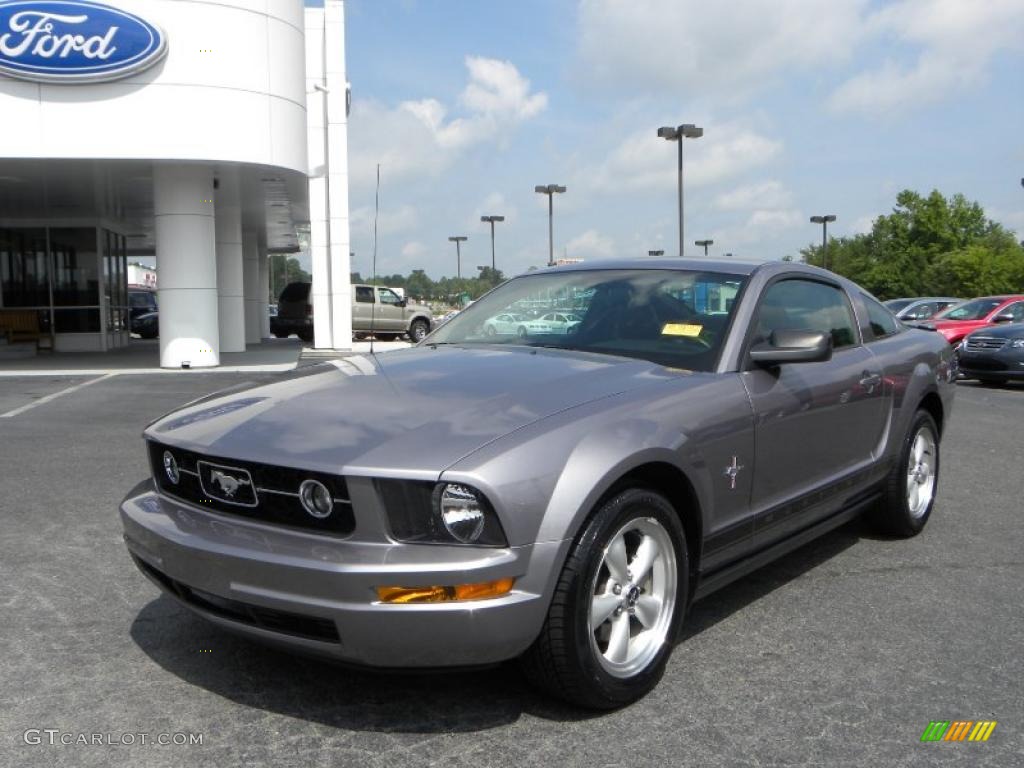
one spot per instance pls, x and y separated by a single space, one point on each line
82 262
76 280
23 277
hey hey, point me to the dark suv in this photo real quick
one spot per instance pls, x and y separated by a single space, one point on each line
294 313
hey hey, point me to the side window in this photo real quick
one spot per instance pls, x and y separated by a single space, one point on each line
364 294
806 305
388 296
880 319
1017 310
922 312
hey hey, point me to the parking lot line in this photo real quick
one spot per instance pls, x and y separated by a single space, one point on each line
54 396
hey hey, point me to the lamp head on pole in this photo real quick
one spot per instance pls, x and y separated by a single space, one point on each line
492 219
459 238
548 189
684 131
823 219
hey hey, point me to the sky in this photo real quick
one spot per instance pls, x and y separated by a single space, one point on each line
808 107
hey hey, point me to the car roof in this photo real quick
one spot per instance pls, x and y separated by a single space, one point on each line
729 266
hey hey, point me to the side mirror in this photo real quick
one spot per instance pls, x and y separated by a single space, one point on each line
402 302
1005 317
793 347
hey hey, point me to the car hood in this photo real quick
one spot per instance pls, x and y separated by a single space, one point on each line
410 413
1003 331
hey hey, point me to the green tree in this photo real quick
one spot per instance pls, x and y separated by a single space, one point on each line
928 245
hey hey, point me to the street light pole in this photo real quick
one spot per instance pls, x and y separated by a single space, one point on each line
492 219
685 131
458 240
705 243
550 190
823 220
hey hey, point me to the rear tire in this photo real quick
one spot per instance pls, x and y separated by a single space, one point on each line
281 335
305 335
910 489
609 631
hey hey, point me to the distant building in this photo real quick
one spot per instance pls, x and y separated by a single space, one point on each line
141 276
563 261
206 135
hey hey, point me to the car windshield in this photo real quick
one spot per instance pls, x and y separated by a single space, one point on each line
971 310
895 305
676 318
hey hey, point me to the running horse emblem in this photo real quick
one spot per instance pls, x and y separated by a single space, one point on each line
229 485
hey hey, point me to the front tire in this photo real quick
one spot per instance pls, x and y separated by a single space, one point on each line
617 606
910 489
418 330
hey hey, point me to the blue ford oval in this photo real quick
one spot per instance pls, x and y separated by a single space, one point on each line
73 41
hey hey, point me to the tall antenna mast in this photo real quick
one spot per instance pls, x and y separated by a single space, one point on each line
373 276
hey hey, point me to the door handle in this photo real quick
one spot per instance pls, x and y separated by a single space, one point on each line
870 380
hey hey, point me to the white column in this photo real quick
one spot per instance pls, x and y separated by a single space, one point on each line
185 250
251 281
264 286
230 287
337 178
328 184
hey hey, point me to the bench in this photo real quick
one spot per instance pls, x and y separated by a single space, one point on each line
20 325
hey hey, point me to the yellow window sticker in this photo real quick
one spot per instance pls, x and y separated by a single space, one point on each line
681 329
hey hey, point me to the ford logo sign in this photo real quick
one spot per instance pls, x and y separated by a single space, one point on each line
67 41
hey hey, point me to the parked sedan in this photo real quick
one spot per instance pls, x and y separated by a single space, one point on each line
559 323
921 308
994 355
562 498
146 325
956 322
506 322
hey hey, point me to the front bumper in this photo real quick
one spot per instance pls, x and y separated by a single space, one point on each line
317 594
1003 363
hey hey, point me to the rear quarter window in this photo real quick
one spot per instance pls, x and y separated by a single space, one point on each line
881 321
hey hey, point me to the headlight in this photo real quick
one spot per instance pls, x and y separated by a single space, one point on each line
1017 343
440 513
461 512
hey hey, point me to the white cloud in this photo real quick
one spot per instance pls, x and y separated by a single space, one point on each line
418 137
694 46
766 194
643 161
956 41
862 225
389 222
589 245
413 250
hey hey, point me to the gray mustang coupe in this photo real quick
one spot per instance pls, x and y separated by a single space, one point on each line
558 497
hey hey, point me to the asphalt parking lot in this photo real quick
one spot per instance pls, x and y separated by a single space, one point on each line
839 654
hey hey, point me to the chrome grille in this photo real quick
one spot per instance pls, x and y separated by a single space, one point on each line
983 343
274 490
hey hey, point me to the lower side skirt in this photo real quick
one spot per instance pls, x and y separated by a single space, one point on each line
714 581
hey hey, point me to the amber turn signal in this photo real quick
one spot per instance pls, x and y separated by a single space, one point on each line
481 591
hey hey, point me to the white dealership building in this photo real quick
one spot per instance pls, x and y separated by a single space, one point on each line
206 133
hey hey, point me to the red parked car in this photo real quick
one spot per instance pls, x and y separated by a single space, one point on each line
956 322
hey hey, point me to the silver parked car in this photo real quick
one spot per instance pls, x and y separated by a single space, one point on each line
559 497
921 308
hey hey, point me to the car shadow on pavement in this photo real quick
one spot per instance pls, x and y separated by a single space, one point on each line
450 701
722 604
